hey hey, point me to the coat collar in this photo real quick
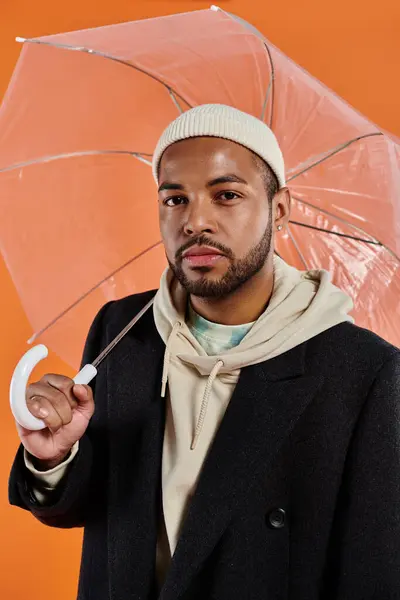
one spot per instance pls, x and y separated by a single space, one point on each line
266 404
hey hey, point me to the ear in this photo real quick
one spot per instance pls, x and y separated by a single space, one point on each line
281 208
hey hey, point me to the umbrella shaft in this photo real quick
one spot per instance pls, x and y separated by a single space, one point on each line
121 335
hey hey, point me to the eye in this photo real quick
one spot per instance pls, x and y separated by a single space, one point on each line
174 200
228 196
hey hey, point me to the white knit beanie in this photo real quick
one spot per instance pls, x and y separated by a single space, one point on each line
218 120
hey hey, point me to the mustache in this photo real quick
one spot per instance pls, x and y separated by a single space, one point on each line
203 240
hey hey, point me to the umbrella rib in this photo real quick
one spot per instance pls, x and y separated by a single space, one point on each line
52 157
345 222
175 101
343 235
304 125
92 289
264 108
332 152
106 56
271 88
295 244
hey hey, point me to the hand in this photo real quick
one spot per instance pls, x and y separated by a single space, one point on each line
66 409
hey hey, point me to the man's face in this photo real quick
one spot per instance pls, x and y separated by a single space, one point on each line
215 215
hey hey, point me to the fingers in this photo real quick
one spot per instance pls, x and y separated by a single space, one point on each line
52 400
61 383
43 409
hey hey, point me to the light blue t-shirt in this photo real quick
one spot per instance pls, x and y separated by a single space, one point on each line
214 337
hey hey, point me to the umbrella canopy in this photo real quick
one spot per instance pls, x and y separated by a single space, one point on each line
78 125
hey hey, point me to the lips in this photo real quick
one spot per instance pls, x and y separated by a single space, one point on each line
201 251
202 256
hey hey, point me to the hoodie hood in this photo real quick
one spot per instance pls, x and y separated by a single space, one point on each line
303 304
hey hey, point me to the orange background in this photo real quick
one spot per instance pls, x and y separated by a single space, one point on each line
352 46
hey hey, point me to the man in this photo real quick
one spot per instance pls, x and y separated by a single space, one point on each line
245 427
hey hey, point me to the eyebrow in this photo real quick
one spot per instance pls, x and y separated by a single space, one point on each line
226 179
223 179
170 186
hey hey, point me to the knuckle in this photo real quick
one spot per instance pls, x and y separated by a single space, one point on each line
59 381
58 399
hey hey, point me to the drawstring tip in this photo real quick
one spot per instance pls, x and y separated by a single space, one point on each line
194 442
163 388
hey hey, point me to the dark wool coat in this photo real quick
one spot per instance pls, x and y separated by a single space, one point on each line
299 498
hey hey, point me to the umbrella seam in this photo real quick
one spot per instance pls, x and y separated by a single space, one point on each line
106 56
271 85
92 289
332 152
53 157
340 219
344 235
295 244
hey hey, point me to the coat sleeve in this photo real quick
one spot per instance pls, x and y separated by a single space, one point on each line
45 482
365 550
65 507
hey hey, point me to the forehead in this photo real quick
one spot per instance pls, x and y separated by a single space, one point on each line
206 156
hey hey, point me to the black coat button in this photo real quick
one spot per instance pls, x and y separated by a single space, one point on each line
277 518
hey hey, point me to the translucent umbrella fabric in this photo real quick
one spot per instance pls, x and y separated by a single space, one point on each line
78 125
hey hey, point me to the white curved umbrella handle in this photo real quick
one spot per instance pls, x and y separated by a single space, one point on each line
19 382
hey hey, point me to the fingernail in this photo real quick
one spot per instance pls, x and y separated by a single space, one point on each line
43 412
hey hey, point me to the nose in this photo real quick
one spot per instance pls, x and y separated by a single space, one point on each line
200 219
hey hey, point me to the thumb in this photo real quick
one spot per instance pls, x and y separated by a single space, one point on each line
83 393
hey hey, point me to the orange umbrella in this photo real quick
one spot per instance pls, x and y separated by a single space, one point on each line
80 120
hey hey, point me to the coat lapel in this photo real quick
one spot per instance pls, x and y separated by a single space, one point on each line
267 402
136 425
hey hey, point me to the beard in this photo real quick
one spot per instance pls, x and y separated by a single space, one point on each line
239 272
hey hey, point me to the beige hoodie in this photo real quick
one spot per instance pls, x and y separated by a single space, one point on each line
198 387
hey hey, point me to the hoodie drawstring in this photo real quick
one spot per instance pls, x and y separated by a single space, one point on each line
167 358
204 404
207 392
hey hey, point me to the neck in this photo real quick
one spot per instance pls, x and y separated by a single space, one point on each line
244 305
